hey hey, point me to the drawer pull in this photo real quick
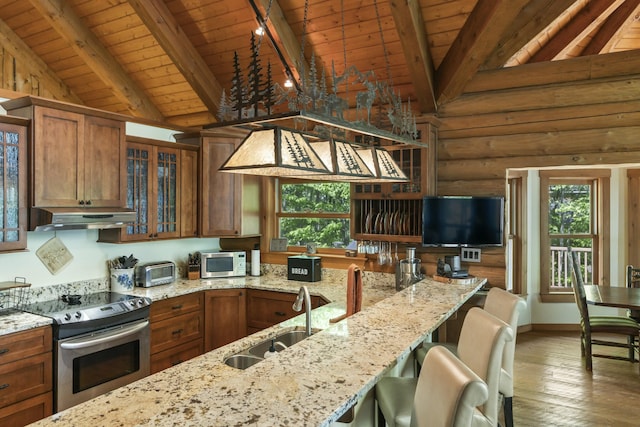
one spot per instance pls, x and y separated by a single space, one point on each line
280 313
3 351
176 332
3 386
176 307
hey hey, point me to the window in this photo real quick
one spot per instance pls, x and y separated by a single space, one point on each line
314 212
572 214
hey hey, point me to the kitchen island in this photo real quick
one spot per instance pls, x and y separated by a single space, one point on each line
309 384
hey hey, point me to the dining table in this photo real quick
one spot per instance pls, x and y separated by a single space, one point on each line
613 296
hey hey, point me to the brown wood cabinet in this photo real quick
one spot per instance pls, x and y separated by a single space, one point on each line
225 317
267 308
155 171
189 193
229 203
176 330
26 377
13 184
77 154
393 211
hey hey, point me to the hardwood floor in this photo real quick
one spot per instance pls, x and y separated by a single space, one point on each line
552 388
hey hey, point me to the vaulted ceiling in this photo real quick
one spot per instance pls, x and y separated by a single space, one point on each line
170 60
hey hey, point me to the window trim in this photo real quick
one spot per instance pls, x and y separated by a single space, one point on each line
600 181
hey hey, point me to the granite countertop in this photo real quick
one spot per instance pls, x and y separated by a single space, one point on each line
309 384
332 288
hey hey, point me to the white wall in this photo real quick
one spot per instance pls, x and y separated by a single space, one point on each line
559 313
89 257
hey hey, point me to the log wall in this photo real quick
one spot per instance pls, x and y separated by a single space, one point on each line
519 125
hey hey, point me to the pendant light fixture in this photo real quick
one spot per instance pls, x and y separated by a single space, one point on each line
275 152
380 162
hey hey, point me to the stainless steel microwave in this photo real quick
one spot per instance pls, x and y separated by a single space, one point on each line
223 264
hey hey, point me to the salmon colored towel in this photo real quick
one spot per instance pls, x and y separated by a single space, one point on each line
354 292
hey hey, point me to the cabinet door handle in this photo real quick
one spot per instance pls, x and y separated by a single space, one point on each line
3 386
3 351
176 332
88 202
280 313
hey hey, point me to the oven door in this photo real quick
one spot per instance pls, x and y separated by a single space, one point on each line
92 364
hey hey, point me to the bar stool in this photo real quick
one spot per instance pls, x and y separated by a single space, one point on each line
447 392
506 307
481 346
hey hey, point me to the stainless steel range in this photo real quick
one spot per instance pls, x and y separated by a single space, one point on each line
101 342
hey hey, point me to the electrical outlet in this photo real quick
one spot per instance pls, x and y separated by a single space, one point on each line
470 254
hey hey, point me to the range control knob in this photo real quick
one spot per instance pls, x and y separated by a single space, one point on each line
78 315
67 316
141 302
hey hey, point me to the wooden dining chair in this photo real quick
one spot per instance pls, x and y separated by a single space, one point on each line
617 325
633 281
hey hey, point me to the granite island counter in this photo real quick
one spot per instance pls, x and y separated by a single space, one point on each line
309 384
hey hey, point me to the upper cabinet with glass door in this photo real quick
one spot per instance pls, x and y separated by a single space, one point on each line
155 189
13 183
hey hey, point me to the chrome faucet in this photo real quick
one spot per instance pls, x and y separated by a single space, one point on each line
303 295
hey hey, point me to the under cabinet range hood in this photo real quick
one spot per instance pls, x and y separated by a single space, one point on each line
52 219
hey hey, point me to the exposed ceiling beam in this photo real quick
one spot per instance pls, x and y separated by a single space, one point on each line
474 43
581 24
87 46
413 37
532 19
284 36
163 26
36 66
616 24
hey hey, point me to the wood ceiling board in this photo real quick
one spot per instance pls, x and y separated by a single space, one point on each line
613 28
87 45
533 18
579 23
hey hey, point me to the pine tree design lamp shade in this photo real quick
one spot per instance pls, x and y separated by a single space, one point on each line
288 153
275 152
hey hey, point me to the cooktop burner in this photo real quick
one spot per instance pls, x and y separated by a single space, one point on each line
82 308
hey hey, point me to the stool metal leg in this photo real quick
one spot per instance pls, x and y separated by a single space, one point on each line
508 412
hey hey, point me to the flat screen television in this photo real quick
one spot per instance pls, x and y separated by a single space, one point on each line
456 221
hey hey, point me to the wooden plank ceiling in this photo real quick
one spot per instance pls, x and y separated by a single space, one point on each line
170 60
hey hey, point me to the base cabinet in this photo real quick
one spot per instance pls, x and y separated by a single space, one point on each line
27 411
176 330
268 308
26 377
225 317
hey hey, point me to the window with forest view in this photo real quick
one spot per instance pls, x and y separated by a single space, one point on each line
569 217
315 212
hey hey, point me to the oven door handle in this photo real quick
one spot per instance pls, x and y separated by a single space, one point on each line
111 336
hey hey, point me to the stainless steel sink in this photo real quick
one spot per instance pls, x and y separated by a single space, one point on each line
242 361
254 354
281 342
